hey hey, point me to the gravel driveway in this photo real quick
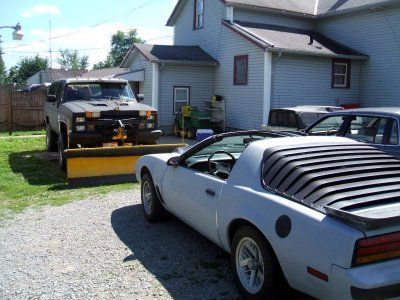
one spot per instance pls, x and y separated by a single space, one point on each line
103 248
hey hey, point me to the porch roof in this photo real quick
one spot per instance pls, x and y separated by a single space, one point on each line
294 41
191 55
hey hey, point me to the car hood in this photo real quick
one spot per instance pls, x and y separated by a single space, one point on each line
105 105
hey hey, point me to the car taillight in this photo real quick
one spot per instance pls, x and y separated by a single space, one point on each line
377 248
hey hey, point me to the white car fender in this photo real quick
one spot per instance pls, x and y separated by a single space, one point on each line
155 163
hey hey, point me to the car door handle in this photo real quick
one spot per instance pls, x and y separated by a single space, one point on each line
210 192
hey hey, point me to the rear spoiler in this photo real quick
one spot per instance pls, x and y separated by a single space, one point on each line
360 222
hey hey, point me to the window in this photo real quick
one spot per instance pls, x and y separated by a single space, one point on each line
394 134
181 98
283 118
240 72
328 126
367 129
198 14
341 71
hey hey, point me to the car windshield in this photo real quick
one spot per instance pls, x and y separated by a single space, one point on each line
98 91
231 144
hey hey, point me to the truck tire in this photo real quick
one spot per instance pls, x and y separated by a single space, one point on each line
51 139
152 207
62 145
255 269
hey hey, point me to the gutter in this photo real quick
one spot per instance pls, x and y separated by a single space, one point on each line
300 52
185 62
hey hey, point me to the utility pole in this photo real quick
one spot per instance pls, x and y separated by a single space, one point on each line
50 50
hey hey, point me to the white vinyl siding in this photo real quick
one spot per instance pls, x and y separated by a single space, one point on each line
208 37
145 87
308 81
377 34
244 103
200 80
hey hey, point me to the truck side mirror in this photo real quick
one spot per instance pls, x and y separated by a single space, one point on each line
140 97
51 98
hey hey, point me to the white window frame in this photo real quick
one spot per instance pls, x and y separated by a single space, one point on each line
198 16
340 74
187 101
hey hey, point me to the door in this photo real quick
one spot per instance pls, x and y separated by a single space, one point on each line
52 107
193 196
392 146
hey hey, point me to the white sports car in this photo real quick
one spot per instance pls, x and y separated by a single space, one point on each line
320 213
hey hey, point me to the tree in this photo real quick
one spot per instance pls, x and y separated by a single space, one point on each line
3 72
107 63
70 60
120 44
27 67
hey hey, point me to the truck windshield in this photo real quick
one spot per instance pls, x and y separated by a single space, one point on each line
98 91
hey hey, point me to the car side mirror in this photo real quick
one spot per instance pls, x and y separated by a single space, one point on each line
174 161
51 98
140 97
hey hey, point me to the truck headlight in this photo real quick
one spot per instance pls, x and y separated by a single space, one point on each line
150 125
80 128
80 120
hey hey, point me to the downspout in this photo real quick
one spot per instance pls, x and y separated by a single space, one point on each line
273 73
155 86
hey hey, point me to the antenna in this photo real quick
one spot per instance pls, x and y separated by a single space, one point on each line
50 51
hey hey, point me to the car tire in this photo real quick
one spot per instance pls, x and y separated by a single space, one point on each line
258 278
51 139
62 145
152 207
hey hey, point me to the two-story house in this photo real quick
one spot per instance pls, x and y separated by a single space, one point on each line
263 54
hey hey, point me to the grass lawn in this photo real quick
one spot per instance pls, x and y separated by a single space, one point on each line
20 133
26 180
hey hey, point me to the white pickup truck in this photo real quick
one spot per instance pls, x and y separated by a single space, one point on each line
320 213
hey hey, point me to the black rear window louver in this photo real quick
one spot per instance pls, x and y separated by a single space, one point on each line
335 177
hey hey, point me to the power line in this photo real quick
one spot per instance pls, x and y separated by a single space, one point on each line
80 30
79 49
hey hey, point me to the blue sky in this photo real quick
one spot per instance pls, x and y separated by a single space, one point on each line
69 16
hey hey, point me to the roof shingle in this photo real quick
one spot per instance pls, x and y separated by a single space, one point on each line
171 54
284 39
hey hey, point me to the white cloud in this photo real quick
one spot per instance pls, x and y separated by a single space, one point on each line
39 9
87 38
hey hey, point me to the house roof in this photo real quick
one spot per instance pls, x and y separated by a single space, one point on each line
291 40
193 55
302 8
108 72
55 74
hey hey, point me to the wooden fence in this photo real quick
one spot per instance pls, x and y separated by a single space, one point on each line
21 111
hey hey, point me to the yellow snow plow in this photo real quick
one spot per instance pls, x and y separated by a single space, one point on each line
108 165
